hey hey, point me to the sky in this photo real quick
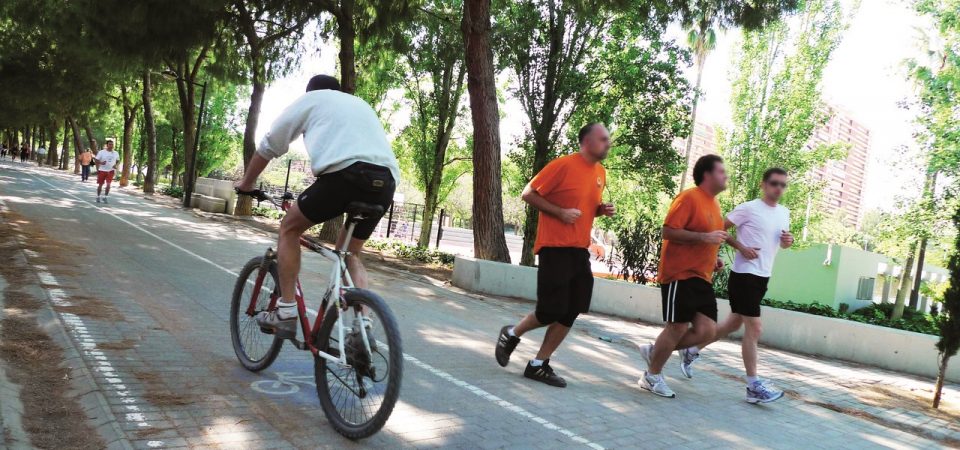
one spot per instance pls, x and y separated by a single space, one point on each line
866 77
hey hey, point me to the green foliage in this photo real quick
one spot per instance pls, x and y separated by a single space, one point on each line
877 314
777 105
172 191
404 250
268 212
220 142
949 318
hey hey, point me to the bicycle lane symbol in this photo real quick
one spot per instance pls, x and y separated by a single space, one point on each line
285 383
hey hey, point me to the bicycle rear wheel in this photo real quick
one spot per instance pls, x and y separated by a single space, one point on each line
359 398
255 349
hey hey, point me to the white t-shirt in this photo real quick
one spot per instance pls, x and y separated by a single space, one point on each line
109 159
338 130
759 226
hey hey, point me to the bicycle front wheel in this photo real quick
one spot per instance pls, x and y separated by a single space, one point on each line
358 398
255 349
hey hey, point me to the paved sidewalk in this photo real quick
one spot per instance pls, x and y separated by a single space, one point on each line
157 279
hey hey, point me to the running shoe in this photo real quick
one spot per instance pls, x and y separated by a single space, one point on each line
271 323
105 199
757 392
646 351
544 374
656 385
686 361
505 346
98 199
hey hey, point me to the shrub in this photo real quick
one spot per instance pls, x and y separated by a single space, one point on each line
173 191
873 314
412 252
269 212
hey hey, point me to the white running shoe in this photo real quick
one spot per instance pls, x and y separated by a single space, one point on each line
656 385
98 199
686 361
757 392
646 351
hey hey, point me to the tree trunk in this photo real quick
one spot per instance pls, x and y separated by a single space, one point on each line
187 106
348 83
77 145
489 241
430 207
176 161
929 187
244 205
52 159
541 151
94 145
64 157
693 122
904 288
150 131
129 114
941 376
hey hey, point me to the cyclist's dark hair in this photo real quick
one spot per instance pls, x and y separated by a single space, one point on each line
773 171
321 82
705 164
585 130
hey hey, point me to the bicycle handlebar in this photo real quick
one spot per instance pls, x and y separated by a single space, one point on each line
256 193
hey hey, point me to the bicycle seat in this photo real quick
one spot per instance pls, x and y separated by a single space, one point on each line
364 210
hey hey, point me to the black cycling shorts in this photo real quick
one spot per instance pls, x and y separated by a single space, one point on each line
329 196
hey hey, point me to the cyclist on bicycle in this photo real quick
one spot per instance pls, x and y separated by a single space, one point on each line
353 162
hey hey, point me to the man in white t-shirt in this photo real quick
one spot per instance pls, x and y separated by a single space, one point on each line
763 227
106 160
353 162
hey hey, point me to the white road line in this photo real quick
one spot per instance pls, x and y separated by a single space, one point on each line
439 373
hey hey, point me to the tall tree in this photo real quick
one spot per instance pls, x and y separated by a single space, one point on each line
150 133
545 44
435 83
366 24
268 33
489 241
129 106
777 104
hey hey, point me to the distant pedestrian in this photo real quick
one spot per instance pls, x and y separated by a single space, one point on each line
3 150
568 192
41 154
85 159
106 160
24 152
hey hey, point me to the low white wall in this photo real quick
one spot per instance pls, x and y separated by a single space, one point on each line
888 348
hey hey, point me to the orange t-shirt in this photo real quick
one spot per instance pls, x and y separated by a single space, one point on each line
692 210
85 158
569 182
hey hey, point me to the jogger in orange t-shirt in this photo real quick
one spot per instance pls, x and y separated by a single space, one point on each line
692 233
568 193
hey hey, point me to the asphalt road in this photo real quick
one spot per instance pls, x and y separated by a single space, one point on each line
161 353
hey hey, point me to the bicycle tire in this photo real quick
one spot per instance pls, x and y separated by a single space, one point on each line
391 332
238 306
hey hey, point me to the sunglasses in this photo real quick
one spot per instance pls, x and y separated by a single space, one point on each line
778 184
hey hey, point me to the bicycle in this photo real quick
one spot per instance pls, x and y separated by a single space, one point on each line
357 371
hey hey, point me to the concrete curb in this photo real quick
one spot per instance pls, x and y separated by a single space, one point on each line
84 388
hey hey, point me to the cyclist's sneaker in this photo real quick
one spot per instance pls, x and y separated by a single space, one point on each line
757 392
544 374
656 385
646 351
271 323
686 361
505 346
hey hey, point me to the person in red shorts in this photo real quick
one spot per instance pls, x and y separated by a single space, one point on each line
568 193
106 160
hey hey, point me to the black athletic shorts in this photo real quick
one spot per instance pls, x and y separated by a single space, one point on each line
746 291
683 299
329 196
564 282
